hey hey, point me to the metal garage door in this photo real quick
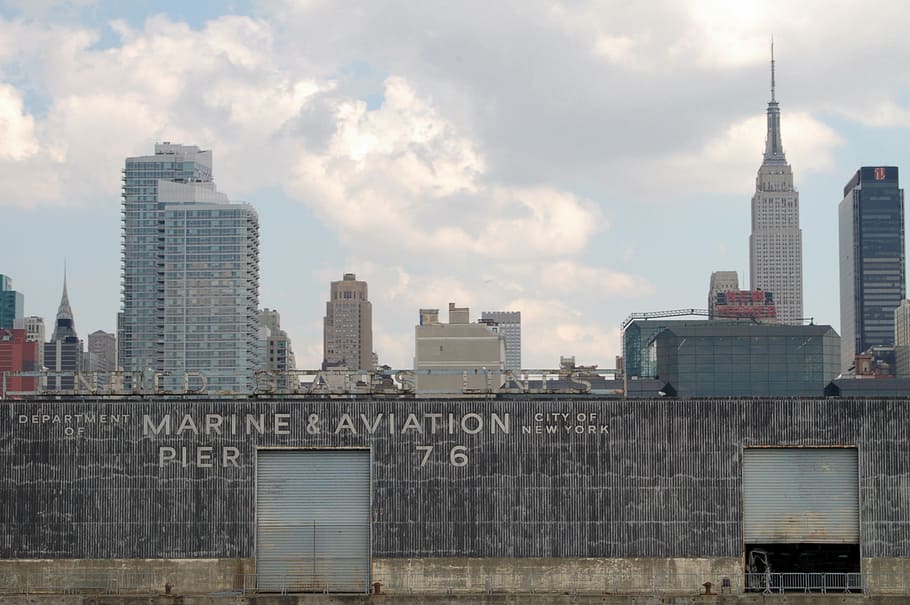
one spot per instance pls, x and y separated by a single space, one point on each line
313 520
793 495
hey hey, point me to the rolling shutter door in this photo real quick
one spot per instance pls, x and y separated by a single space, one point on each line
313 520
793 495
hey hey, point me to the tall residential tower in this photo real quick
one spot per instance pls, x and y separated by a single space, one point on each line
190 272
776 242
872 263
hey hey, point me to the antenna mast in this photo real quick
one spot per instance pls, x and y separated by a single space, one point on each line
772 68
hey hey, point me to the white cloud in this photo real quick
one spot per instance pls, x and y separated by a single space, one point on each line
728 162
17 128
403 176
570 277
219 87
881 114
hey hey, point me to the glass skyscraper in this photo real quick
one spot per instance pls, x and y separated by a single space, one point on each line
11 303
872 261
190 272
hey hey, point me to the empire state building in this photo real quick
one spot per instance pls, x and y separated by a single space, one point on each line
776 242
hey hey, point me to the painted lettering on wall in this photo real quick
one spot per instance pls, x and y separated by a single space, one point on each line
555 423
203 440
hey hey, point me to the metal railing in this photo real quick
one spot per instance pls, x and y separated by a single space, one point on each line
771 583
92 581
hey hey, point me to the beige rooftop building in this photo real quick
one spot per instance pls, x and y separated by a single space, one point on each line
469 357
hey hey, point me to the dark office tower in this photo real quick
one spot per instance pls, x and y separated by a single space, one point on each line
348 334
776 242
11 303
872 262
64 351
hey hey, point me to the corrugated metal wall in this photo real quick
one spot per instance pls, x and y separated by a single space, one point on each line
665 481
313 520
798 495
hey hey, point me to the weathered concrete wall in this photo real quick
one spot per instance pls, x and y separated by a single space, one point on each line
397 576
889 576
126 576
555 575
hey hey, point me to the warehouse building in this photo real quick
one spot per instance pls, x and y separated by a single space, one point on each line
429 496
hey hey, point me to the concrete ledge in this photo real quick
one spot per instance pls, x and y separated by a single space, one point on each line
555 575
124 576
430 580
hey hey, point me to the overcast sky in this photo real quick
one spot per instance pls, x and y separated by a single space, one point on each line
575 161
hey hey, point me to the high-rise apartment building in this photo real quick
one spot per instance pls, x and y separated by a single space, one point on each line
872 260
776 242
63 353
348 326
190 273
509 323
11 303
278 353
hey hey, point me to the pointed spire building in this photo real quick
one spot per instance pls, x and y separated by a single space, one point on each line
64 326
776 242
63 354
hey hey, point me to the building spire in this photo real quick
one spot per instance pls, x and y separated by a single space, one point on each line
772 68
774 149
64 326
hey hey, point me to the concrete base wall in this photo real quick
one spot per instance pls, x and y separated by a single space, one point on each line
441 576
553 575
887 576
125 576
415 577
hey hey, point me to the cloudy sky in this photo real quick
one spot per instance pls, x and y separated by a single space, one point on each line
575 161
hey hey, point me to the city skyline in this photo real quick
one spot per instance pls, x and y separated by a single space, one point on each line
447 168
